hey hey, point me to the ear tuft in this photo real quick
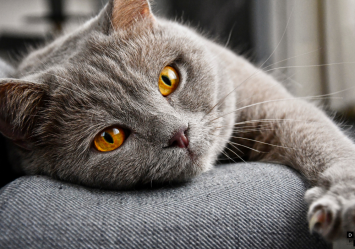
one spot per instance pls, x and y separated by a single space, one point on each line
127 12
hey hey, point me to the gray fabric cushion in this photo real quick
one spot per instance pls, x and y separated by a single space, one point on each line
233 206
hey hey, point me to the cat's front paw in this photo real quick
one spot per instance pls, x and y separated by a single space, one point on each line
332 212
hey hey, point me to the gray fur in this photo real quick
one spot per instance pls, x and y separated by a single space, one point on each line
6 69
100 76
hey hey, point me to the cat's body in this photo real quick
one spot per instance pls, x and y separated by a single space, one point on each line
106 75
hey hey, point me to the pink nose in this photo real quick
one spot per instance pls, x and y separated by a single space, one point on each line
179 139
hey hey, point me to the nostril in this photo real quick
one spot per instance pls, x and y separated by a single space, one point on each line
179 139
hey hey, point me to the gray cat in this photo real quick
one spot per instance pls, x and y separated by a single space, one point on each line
130 99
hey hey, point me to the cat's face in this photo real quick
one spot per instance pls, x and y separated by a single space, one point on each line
102 80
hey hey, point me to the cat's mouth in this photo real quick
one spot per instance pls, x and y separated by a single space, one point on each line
191 154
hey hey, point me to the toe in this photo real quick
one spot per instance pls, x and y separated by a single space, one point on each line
323 217
320 221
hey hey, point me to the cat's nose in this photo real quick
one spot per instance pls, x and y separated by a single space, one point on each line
179 139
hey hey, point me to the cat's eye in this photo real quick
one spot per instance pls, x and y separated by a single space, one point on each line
168 80
109 139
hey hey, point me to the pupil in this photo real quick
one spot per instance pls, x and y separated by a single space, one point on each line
108 138
166 80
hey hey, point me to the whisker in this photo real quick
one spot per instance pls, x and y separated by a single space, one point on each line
228 156
220 101
282 37
241 128
293 57
273 120
236 155
242 145
270 101
314 65
230 35
245 130
258 71
232 145
253 140
247 147
273 52
225 46
252 130
267 125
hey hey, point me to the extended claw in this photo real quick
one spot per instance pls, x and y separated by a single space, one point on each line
317 219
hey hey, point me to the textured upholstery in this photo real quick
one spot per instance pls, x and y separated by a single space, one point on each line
252 205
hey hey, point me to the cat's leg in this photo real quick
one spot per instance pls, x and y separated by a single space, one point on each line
283 129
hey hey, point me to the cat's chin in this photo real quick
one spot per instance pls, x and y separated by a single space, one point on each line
200 162
188 164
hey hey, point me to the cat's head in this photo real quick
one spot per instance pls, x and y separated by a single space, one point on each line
128 98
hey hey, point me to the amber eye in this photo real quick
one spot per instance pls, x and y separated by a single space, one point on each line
109 139
168 80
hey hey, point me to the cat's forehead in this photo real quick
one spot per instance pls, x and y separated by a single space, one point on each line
129 61
149 50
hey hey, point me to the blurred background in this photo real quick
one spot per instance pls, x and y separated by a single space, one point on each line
307 44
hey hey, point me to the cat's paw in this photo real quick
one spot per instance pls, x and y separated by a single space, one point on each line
332 212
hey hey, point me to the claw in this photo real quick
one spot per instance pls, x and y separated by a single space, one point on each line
317 219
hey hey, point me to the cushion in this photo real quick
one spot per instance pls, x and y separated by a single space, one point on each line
246 205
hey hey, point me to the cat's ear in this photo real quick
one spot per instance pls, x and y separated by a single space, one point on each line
123 14
19 105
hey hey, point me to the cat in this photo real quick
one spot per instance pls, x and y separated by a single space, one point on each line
130 98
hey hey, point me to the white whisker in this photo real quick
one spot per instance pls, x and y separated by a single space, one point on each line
232 145
270 101
282 37
247 147
253 140
225 154
293 57
236 155
273 52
